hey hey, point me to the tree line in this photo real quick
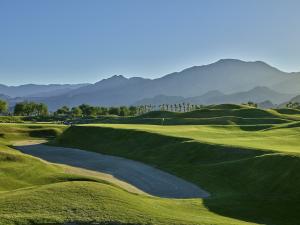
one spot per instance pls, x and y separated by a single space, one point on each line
29 108
88 110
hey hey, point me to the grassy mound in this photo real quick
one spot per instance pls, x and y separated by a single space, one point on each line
88 202
248 180
22 171
254 137
225 114
228 106
159 114
243 113
11 119
35 192
225 120
288 111
11 133
250 170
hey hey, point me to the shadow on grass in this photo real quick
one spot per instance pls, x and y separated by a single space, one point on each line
44 133
246 184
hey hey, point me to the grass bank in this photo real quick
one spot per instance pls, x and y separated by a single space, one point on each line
252 177
33 191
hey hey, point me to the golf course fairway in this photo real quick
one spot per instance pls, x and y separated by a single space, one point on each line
250 171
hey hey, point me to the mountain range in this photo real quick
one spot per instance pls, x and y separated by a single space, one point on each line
225 81
37 90
257 94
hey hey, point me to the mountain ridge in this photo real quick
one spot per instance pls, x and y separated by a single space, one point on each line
227 76
257 94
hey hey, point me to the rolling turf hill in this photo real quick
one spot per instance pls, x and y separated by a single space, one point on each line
250 170
33 191
252 174
224 114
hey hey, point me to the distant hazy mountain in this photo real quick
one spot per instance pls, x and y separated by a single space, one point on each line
257 94
36 90
4 97
266 105
216 82
160 99
290 85
296 99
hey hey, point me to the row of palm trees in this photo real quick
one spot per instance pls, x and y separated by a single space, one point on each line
180 107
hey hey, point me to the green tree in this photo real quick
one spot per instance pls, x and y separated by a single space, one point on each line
63 111
104 110
30 109
87 110
19 109
76 112
41 109
124 111
3 106
133 110
114 111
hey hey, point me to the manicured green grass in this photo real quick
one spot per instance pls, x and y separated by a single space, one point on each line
11 119
89 202
11 133
257 137
223 120
248 159
252 173
35 192
226 114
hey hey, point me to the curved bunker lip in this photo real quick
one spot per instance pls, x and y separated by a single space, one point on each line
146 178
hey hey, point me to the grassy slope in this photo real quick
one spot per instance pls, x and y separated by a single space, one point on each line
11 119
12 133
212 115
257 137
35 192
248 180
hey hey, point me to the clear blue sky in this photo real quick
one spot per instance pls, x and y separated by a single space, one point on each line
72 41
